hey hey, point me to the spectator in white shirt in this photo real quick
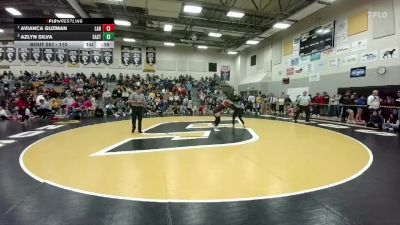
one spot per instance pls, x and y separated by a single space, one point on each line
4 115
374 101
304 102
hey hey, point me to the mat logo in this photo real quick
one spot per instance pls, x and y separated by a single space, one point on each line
26 134
174 136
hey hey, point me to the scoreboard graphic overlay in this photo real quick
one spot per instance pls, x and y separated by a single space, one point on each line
64 33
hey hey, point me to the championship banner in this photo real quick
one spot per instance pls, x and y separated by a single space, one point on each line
126 55
137 56
225 72
84 57
36 55
150 60
61 55
96 57
1 54
10 54
73 56
24 54
48 54
107 56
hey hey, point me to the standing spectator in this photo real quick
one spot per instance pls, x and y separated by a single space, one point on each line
334 108
273 101
23 107
345 101
351 109
397 112
288 103
252 100
318 102
281 103
137 100
304 102
360 102
374 101
325 107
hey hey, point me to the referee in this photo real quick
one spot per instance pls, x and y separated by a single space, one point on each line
137 100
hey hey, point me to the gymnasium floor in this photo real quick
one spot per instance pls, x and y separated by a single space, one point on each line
182 172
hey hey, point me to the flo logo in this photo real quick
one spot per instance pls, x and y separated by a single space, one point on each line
180 136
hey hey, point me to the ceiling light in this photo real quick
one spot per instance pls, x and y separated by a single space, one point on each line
192 9
319 31
64 15
252 42
167 27
14 11
122 23
281 25
169 44
235 14
202 47
212 34
232 53
1 30
128 39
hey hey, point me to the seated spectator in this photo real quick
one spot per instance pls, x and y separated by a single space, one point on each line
44 108
4 114
391 124
375 120
67 104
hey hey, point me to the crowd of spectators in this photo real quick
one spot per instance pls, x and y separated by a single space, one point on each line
80 95
346 107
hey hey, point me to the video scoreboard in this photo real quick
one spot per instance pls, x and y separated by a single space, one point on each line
91 33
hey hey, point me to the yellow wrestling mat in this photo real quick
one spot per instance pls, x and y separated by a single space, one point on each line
281 159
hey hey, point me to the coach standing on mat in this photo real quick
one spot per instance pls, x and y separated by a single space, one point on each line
304 102
137 100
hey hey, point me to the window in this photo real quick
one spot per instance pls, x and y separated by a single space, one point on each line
212 67
253 60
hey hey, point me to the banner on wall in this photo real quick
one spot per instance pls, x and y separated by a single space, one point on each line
390 53
126 55
107 56
24 54
36 55
73 57
315 56
359 45
10 54
96 56
149 66
341 31
48 54
225 72
136 56
84 57
1 54
61 55
369 56
313 77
